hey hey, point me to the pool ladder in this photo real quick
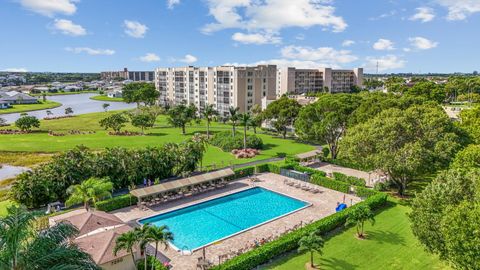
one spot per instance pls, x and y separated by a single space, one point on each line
185 251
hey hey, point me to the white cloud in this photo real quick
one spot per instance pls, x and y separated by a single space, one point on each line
387 62
348 43
383 45
384 15
422 43
188 59
150 57
322 54
90 51
272 15
50 7
300 37
15 70
256 38
67 27
135 29
424 14
172 3
459 9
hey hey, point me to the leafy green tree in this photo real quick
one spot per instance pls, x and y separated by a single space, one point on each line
26 123
234 112
470 122
91 190
208 113
428 90
181 115
23 248
115 121
257 117
469 157
460 230
443 216
127 241
105 106
245 119
137 92
49 113
311 243
326 120
358 216
282 113
142 120
68 110
405 144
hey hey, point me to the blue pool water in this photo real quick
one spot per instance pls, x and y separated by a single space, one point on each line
201 224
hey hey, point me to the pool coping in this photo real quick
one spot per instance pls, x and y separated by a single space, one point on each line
308 204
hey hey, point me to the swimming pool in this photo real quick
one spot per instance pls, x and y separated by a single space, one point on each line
201 224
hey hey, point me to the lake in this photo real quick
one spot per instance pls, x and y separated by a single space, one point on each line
80 104
7 171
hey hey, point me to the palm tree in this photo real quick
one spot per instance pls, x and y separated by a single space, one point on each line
245 120
91 190
358 216
127 241
68 110
208 113
22 247
311 243
233 117
160 235
105 106
143 238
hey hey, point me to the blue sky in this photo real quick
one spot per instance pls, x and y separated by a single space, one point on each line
95 35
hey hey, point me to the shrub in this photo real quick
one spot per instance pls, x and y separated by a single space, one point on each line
330 183
289 242
262 168
308 170
242 172
364 192
381 186
116 203
227 142
157 265
325 152
352 180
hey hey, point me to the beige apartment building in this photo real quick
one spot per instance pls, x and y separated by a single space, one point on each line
291 80
125 74
222 86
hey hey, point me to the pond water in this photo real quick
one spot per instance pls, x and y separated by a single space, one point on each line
80 104
7 171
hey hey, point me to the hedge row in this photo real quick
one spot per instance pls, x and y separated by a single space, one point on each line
289 242
364 192
349 179
116 203
329 183
308 170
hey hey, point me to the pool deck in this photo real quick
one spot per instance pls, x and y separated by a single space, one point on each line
323 204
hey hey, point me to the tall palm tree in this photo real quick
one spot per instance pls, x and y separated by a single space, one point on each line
160 235
358 217
90 190
245 120
209 112
143 238
127 241
22 247
233 117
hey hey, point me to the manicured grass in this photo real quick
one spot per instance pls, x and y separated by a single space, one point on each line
40 141
390 244
3 207
105 98
42 105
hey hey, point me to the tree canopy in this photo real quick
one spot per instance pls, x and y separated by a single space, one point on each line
26 123
138 92
282 114
115 121
404 143
326 120
181 115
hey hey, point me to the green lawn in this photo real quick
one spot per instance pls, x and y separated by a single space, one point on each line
390 245
105 98
40 141
42 105
65 93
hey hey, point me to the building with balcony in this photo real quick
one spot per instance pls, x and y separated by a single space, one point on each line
125 74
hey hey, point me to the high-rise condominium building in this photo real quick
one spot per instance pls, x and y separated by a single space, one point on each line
299 81
222 86
125 74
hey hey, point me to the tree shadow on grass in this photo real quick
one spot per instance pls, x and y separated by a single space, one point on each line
155 134
268 146
336 264
386 237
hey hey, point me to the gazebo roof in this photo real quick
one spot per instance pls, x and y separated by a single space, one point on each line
180 183
310 154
